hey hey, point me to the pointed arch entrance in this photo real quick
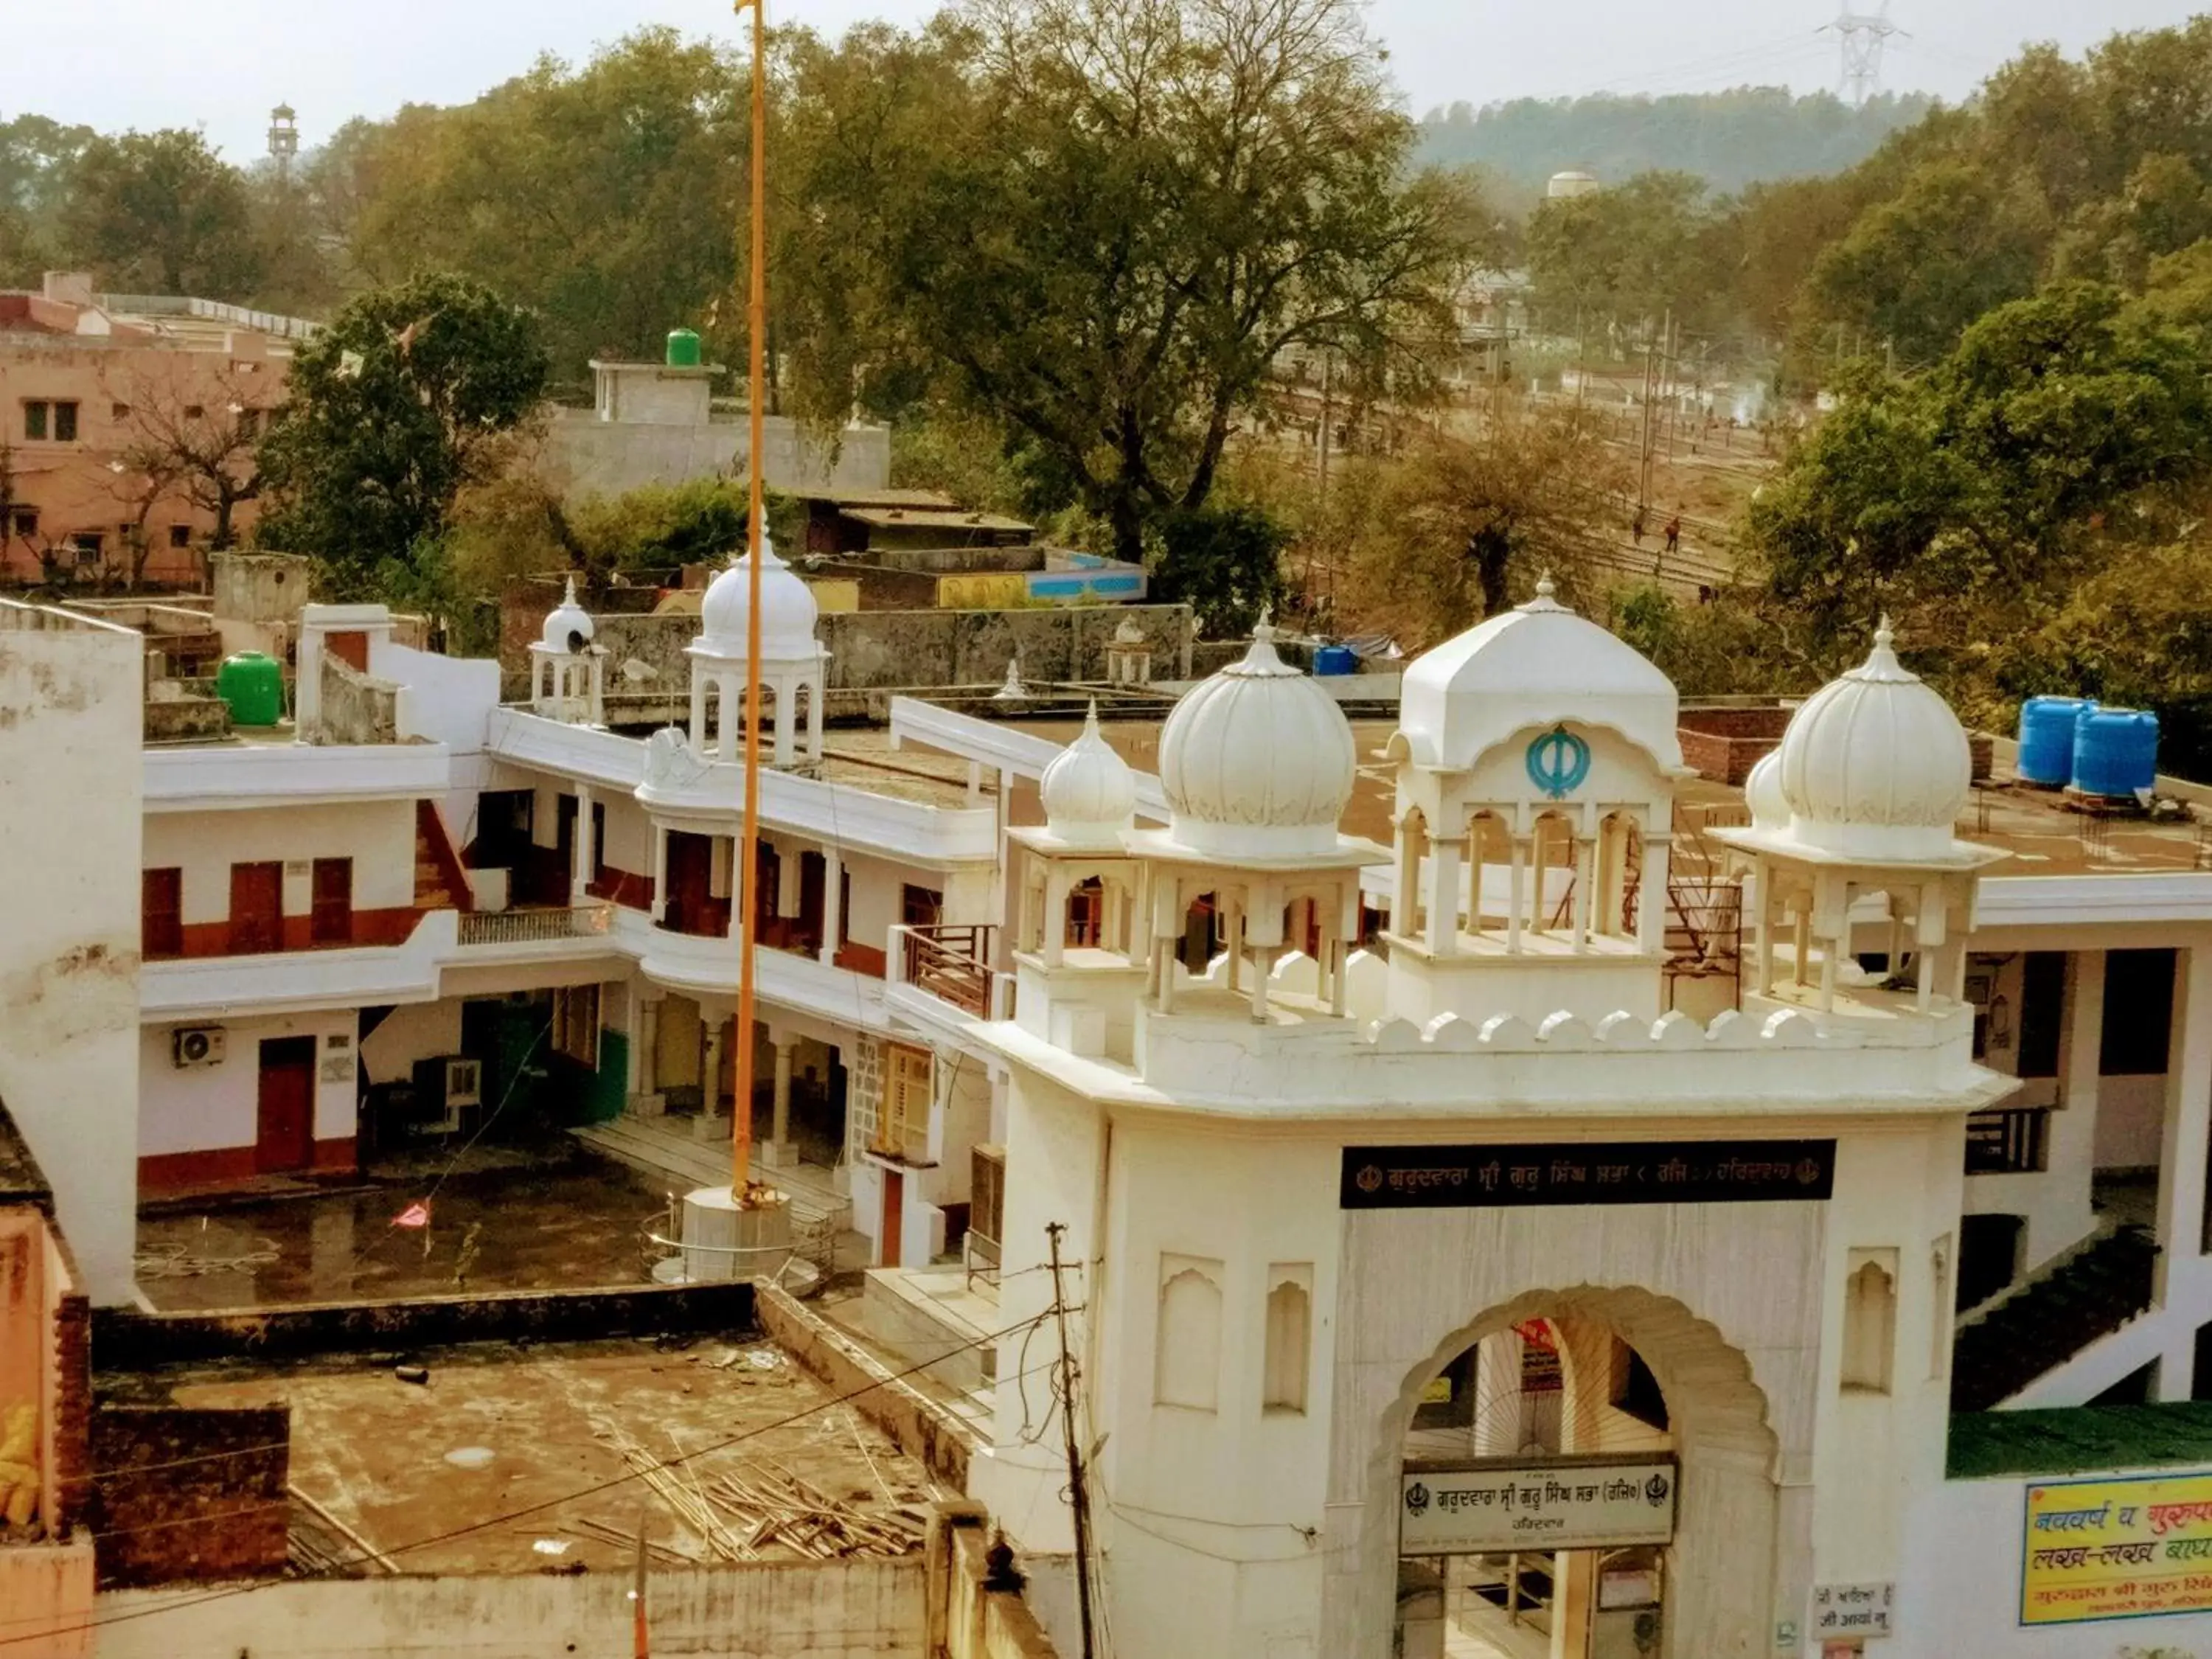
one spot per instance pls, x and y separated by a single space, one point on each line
1731 1530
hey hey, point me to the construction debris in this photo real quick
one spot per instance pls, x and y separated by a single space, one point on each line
738 1517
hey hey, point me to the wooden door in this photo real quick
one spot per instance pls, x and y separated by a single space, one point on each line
284 1133
330 921
690 876
163 911
894 1218
257 908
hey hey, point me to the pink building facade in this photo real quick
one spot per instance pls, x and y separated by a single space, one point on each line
114 413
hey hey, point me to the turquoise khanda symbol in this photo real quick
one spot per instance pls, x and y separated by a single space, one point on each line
1558 762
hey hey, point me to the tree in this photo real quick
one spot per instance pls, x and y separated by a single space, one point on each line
1460 525
1225 563
605 198
202 443
1122 216
37 156
1624 254
161 212
407 397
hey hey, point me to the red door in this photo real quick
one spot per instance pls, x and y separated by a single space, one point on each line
257 908
894 1216
284 1137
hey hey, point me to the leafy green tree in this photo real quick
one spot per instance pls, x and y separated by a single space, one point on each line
1123 215
406 397
36 158
161 212
1225 563
604 198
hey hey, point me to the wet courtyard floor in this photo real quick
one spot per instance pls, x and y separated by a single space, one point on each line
577 1222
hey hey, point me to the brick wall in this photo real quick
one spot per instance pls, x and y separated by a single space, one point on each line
72 1411
210 1504
1723 744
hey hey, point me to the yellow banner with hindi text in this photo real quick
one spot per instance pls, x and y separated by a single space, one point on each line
2116 1549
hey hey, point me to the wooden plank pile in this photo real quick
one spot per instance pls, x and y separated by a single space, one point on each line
748 1517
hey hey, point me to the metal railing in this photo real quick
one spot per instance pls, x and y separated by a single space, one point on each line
952 963
2011 1140
534 926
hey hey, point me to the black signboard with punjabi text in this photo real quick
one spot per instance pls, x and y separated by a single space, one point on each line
1587 1172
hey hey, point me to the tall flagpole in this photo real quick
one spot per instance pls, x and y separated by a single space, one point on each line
741 1108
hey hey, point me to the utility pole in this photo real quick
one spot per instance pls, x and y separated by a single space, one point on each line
1327 389
1079 1494
640 1633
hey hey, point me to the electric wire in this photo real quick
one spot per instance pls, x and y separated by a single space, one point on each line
526 1510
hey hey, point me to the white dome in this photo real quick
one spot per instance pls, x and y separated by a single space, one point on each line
568 626
1762 792
1875 765
788 611
1539 665
1089 794
1257 761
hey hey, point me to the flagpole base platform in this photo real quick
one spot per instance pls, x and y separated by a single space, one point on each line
724 1239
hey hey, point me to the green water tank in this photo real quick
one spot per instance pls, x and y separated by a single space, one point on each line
253 686
683 349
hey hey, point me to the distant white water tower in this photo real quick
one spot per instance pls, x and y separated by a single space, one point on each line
1566 187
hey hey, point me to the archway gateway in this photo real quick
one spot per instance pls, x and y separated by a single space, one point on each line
1537 1502
1702 1558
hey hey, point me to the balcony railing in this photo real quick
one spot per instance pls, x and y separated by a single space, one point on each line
534 926
952 963
2010 1141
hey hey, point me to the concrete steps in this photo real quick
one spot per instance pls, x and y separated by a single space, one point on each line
667 1148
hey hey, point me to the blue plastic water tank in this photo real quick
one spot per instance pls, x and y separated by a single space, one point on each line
1336 660
2046 740
2115 751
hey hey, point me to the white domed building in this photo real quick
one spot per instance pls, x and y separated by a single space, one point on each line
1537 760
1853 848
793 667
568 666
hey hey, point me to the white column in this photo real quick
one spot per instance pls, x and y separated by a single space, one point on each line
1585 888
659 872
710 1076
790 872
581 857
787 721
1516 899
1055 914
2057 1225
1651 895
2183 1150
1406 875
778 1149
700 679
817 696
832 902
1443 933
1539 912
599 686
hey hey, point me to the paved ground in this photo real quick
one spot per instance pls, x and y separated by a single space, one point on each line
573 1225
534 1425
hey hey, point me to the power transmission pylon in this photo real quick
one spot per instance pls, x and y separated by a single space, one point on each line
1862 35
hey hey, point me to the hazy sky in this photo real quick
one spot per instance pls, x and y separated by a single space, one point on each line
220 65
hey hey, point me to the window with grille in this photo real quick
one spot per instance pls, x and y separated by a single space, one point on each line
902 1126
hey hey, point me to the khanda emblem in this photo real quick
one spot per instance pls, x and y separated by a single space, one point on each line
1559 761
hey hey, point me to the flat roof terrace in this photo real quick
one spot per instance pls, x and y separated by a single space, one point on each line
509 1459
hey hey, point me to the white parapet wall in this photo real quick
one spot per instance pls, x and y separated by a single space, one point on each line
862 1608
71 713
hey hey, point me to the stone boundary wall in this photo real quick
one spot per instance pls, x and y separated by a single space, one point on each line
919 1426
211 1504
127 1340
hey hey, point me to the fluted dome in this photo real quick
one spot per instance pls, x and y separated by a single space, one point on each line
1875 765
788 611
1762 792
568 626
1089 794
1256 761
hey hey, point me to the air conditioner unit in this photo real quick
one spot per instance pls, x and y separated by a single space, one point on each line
196 1045
448 1090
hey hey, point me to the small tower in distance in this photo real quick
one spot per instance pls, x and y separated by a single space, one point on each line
283 139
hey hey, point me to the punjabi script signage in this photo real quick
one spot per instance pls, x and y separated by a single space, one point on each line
1553 1503
1587 1172
1843 1612
2116 1549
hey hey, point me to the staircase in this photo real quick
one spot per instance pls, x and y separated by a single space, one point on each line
440 882
666 1147
2077 1299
